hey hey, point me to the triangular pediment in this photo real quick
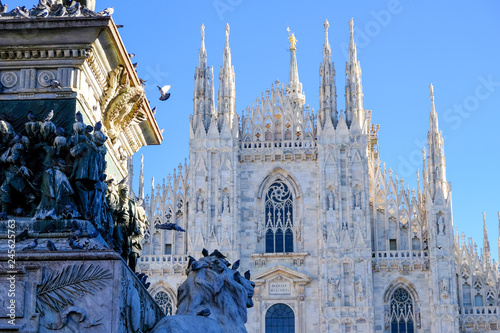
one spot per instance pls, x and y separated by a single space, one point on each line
284 272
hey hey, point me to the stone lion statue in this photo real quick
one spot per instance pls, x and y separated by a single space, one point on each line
213 299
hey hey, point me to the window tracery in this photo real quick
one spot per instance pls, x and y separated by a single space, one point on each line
402 312
164 302
279 218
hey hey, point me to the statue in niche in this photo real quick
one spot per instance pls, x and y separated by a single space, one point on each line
333 288
330 203
445 286
440 224
360 292
225 204
199 204
357 199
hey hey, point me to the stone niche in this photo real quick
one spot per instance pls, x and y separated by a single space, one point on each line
71 290
71 64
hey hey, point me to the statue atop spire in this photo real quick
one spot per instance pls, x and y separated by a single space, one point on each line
326 25
292 39
227 34
202 29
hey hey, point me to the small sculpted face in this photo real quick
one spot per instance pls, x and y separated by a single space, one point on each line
249 287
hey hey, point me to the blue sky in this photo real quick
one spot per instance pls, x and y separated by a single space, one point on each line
403 46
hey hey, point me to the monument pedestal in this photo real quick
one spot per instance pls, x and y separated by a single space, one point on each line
69 290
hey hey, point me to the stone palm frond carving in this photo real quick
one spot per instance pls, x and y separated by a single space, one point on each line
122 103
59 289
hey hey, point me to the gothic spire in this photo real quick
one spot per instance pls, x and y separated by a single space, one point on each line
141 179
486 243
433 120
203 99
327 89
294 87
227 95
353 87
435 148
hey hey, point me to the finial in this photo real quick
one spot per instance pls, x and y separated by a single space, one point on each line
202 28
292 39
227 33
326 24
431 89
484 218
351 26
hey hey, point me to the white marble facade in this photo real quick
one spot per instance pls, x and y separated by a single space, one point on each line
301 197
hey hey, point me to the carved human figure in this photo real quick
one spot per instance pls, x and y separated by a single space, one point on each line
126 222
359 289
440 224
112 201
56 201
357 199
137 236
225 204
333 286
97 194
199 205
445 286
330 203
17 175
85 170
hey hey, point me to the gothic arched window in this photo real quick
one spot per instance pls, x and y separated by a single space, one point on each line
279 218
280 319
164 302
402 315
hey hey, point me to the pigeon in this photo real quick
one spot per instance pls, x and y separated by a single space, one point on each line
106 12
154 110
142 81
44 13
32 246
75 10
79 117
3 216
164 92
170 226
135 64
74 245
55 84
144 279
204 252
62 11
131 55
22 12
204 313
97 126
22 236
191 260
49 116
217 254
119 26
140 276
147 285
3 8
31 116
51 246
236 265
247 275
48 228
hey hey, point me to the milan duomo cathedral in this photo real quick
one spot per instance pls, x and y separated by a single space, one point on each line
335 241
